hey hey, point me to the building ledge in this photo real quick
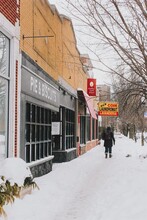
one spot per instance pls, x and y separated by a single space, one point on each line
37 162
67 150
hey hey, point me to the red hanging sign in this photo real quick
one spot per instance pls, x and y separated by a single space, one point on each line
91 87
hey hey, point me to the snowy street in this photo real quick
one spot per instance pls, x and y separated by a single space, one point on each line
73 92
91 187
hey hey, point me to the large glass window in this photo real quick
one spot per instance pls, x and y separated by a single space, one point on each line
4 55
38 132
88 128
93 128
97 130
70 123
82 129
4 82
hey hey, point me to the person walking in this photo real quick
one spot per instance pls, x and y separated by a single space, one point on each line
109 140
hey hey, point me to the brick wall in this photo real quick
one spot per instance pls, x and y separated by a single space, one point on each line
10 9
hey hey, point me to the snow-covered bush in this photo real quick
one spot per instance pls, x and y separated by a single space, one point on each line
15 176
8 193
15 170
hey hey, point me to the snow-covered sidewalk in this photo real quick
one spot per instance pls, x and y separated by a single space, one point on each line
91 187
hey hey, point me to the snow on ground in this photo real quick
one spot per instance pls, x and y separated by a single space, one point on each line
91 187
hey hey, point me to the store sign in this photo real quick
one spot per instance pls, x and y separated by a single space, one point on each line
42 89
108 108
39 88
91 87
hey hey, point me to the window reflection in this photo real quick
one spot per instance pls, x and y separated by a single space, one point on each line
4 55
4 73
3 116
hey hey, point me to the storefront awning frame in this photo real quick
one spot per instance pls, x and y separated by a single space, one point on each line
82 95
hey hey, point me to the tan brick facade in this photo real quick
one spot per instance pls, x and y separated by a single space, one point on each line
56 53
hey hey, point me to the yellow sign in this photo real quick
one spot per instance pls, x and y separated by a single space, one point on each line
108 108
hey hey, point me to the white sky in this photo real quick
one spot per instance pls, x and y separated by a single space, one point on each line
90 187
101 77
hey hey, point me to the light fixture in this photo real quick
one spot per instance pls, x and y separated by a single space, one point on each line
64 92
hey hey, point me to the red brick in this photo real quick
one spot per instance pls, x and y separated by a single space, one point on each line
10 9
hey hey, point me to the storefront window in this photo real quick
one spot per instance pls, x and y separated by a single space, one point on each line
38 132
4 55
70 122
97 130
88 128
93 128
82 129
3 116
4 80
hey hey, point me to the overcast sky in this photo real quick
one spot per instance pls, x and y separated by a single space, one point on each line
101 77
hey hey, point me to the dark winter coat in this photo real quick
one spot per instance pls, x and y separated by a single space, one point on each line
108 138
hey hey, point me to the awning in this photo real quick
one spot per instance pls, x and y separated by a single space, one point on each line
84 97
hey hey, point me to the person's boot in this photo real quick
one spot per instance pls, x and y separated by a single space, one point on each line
106 155
110 155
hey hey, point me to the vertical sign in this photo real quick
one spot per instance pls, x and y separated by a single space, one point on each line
91 87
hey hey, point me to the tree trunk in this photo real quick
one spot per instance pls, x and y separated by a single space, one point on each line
142 138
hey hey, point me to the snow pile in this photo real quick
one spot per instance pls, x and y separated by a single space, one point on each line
89 187
15 170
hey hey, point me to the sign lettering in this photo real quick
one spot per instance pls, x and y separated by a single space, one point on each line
108 108
42 89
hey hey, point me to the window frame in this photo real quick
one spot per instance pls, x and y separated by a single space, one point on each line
38 138
6 78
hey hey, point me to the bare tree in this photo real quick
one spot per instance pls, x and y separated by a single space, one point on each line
132 106
117 34
118 29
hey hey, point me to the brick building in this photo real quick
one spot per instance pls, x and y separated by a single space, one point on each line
9 78
54 119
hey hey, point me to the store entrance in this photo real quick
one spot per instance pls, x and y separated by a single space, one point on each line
56 131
